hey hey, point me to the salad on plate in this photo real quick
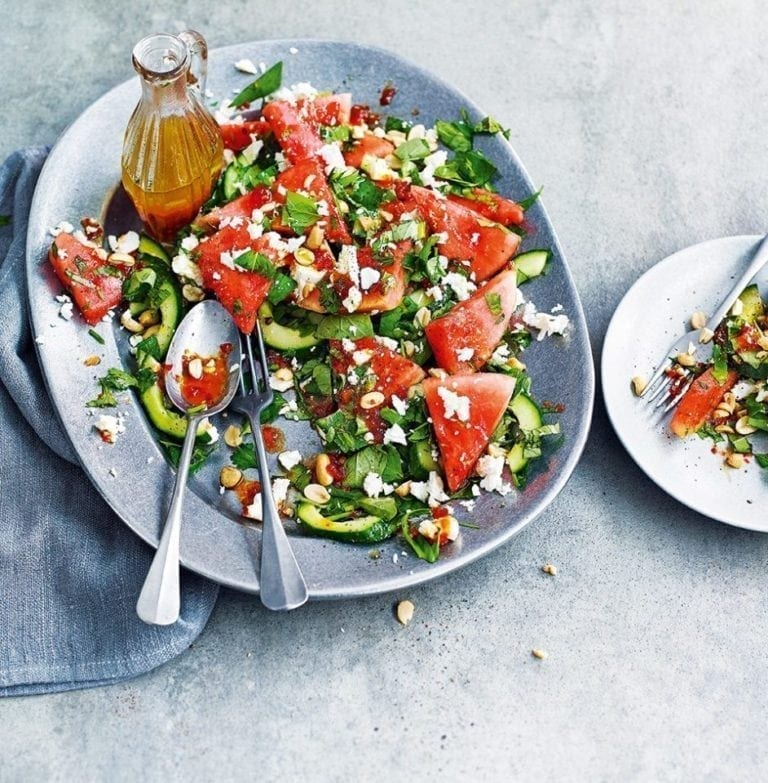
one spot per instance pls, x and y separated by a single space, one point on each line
386 273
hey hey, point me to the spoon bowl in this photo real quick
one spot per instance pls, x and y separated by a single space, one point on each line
206 330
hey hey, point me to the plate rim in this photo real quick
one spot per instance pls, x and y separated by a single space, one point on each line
401 580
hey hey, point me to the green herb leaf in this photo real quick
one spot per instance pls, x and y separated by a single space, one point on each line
266 84
414 149
396 124
300 212
470 169
258 263
342 432
493 300
382 460
96 336
425 550
340 327
720 364
150 347
490 125
457 136
762 460
281 288
526 203
244 457
330 133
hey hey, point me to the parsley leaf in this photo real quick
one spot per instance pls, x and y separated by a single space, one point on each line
470 169
413 149
281 288
457 136
266 84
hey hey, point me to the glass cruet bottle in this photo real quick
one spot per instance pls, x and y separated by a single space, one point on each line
172 150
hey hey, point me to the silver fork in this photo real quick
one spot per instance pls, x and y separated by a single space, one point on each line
282 586
697 344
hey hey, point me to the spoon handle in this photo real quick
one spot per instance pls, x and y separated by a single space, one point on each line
282 586
160 601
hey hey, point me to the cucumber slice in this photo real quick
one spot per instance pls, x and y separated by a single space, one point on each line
284 338
148 247
231 182
527 412
420 459
516 460
531 264
364 530
167 292
752 303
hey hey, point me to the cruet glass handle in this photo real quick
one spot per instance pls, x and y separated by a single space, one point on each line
198 59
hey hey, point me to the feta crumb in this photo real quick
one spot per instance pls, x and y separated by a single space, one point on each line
289 459
429 529
347 263
395 434
369 277
455 405
62 227
362 357
387 342
128 242
280 490
293 50
435 293
280 384
400 406
431 164
348 345
246 66
490 469
465 354
255 510
374 486
112 242
66 311
184 266
468 504
109 427
332 157
546 324
352 300
462 286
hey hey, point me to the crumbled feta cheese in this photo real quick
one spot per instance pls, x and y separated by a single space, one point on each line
280 384
63 227
546 324
112 242
369 277
465 354
352 300
362 357
468 504
374 486
206 428
289 459
109 427
255 230
280 490
290 407
307 278
431 164
462 286
490 469
66 311
377 168
189 243
501 354
435 293
400 406
251 152
387 342
395 434
293 50
255 510
246 66
455 405
347 263
436 489
332 157
743 389
184 266
128 242
419 490
348 345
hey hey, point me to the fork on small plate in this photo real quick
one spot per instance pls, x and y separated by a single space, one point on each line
281 583
695 347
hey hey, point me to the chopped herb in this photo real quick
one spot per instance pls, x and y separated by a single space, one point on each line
396 124
329 133
527 203
493 300
720 364
457 136
281 288
150 347
470 169
413 149
300 211
266 84
258 263
96 336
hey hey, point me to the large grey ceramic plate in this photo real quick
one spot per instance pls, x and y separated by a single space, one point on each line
654 312
79 179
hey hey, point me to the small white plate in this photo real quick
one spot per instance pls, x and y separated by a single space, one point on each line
653 313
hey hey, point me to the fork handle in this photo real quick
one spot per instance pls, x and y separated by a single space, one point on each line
755 265
282 586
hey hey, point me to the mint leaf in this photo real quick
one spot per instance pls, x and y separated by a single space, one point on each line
281 288
414 149
258 263
266 84
300 212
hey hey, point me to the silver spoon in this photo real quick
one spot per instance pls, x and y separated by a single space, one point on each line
204 330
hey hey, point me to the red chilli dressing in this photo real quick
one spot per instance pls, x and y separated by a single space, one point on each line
212 384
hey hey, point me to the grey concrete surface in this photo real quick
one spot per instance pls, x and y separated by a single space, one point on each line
647 125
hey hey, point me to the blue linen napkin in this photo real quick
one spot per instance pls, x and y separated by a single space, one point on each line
70 570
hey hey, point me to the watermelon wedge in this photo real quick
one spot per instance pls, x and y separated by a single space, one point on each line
699 402
465 410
